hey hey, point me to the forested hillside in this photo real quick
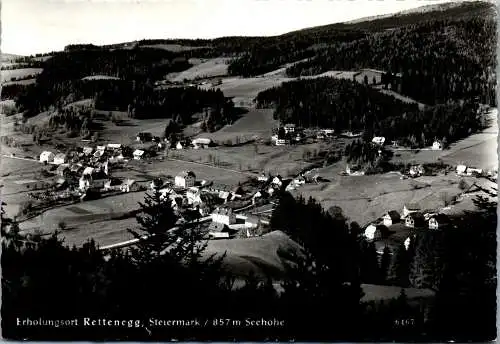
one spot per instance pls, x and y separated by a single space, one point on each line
348 105
438 60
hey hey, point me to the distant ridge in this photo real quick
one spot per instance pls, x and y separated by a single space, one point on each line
421 9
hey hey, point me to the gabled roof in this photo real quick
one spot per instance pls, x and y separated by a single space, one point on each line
223 211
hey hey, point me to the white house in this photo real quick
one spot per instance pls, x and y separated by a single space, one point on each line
370 231
224 216
410 208
114 145
87 150
300 180
179 145
201 142
415 219
417 170
263 177
88 171
471 171
274 138
437 145
379 140
328 132
129 185
60 158
277 181
289 128
282 142
391 218
259 194
185 179
138 154
47 156
461 169
193 195
84 182
438 221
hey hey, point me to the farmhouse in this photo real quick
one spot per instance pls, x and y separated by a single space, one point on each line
391 218
439 221
410 208
277 181
378 140
289 128
130 185
89 171
300 180
60 158
437 145
179 145
201 142
87 150
138 154
282 142
461 169
474 171
185 179
193 195
369 76
47 156
263 177
416 170
114 146
63 170
328 132
224 215
415 219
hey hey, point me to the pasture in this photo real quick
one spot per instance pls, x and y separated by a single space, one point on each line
202 68
258 255
7 75
366 198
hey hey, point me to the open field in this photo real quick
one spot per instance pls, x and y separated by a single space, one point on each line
366 198
7 75
244 90
478 150
85 212
20 82
255 123
283 160
203 68
259 254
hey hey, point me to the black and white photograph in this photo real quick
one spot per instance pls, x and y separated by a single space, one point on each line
249 170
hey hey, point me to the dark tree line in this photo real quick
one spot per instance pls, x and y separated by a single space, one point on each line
62 73
331 103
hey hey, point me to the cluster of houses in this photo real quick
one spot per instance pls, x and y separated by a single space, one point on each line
395 228
380 141
145 137
91 167
210 200
287 134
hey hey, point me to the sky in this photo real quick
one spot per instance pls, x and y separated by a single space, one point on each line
37 26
